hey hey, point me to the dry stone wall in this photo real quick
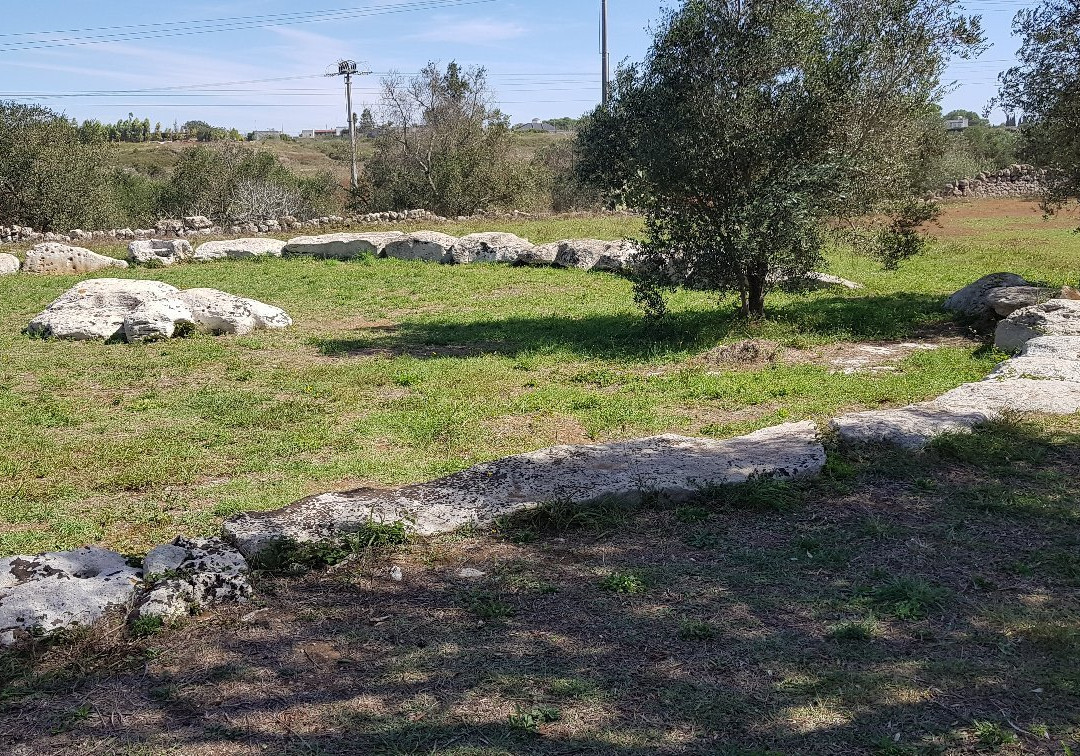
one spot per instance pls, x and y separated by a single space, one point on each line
1014 181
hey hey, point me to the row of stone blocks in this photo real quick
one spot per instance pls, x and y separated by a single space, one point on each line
48 592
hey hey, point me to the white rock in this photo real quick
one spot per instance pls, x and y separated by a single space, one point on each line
972 299
909 427
198 222
1022 395
189 574
163 252
1040 368
491 247
541 255
1053 347
97 309
220 312
429 246
8 264
670 465
342 246
1058 317
594 254
470 573
239 249
1008 299
44 593
155 320
827 279
62 259
396 574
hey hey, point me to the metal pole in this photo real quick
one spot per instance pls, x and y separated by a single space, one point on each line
352 129
606 72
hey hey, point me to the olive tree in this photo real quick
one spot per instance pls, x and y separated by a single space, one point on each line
1045 87
755 128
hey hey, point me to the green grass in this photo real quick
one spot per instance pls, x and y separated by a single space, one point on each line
397 372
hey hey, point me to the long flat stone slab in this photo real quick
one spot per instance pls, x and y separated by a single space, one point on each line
910 427
674 466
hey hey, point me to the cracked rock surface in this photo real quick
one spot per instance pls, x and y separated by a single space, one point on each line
187 574
48 592
672 465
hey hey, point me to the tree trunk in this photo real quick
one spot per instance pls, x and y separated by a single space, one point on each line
754 297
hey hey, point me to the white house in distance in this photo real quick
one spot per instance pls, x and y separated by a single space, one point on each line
323 133
536 125
957 124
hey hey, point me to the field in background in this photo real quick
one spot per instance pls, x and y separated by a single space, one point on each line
902 605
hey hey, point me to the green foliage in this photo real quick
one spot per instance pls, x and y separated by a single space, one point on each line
751 123
992 735
532 718
447 148
52 177
853 630
488 606
229 182
696 630
909 598
1045 87
290 557
624 581
143 627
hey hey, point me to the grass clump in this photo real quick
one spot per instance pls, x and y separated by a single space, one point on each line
909 598
853 631
992 735
487 606
291 557
696 630
624 581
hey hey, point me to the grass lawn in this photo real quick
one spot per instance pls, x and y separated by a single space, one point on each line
900 605
401 371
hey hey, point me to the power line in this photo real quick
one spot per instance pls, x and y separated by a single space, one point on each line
211 26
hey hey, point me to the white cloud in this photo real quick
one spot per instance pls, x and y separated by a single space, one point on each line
477 31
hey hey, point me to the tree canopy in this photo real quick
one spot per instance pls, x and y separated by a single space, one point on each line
752 124
1045 87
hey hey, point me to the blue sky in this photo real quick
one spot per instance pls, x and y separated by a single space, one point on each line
542 55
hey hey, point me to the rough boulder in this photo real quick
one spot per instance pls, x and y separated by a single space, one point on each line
973 300
121 310
342 246
1058 317
189 574
670 465
159 252
62 259
240 249
44 593
491 247
429 246
593 254
8 264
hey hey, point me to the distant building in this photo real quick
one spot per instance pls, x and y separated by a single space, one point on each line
536 125
324 133
258 136
957 124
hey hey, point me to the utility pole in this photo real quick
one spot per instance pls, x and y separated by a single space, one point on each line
606 68
348 69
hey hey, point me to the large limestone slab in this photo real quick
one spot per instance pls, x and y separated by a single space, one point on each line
97 309
8 264
61 259
220 312
972 300
491 247
1039 368
672 465
1058 317
594 254
342 246
191 574
44 593
909 427
429 246
239 249
1053 347
1051 397
159 252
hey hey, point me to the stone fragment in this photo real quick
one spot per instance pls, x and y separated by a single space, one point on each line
594 254
670 465
97 309
49 592
429 246
972 299
1058 317
220 312
1006 300
239 249
163 252
470 573
8 264
1053 347
1051 397
198 222
541 255
342 246
189 574
827 279
62 259
491 247
155 320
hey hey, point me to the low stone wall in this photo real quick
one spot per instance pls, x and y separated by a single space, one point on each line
1014 181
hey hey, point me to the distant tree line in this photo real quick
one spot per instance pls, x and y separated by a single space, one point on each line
132 129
